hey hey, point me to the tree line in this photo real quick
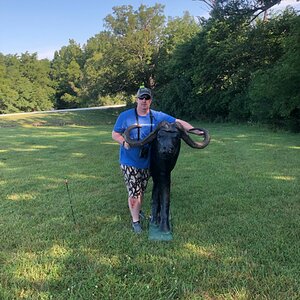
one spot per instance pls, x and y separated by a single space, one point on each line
229 67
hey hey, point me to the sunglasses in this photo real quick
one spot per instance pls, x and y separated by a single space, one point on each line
146 97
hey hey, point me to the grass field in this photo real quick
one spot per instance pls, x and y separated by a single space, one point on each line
235 214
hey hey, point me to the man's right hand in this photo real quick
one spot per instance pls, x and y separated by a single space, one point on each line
126 145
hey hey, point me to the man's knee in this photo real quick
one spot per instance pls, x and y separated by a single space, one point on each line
133 201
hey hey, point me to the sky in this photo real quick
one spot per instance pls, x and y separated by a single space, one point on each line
40 26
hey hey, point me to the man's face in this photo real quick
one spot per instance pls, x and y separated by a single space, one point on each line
144 102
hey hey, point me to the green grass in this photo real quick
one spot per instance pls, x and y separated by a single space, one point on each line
235 214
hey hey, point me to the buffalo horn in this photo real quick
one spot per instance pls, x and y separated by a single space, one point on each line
198 145
148 139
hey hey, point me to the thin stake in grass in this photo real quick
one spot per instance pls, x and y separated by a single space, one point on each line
70 201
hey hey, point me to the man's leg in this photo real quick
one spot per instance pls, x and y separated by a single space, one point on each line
135 205
136 182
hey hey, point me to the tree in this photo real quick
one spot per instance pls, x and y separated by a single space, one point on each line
136 38
239 9
275 92
175 68
25 84
66 69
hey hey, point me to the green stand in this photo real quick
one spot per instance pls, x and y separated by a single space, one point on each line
156 235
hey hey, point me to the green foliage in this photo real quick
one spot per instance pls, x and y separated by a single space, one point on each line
25 84
275 92
175 95
136 41
66 71
118 59
225 57
175 67
240 10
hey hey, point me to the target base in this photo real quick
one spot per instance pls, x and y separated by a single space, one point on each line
155 234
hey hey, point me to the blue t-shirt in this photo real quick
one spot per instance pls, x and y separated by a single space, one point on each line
131 157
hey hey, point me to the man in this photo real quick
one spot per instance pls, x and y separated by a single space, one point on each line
135 161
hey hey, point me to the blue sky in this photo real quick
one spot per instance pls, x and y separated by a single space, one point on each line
45 26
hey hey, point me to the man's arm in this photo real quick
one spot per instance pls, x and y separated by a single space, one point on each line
187 126
118 137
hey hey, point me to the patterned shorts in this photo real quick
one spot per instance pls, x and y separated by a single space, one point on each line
136 180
